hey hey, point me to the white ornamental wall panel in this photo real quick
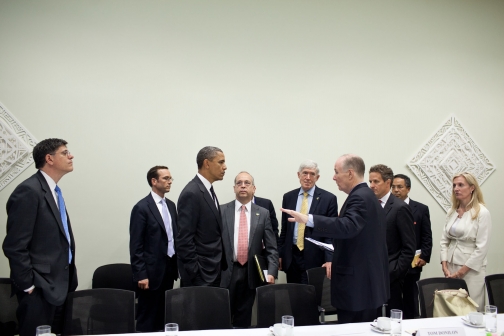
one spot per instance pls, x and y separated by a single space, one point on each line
450 151
16 145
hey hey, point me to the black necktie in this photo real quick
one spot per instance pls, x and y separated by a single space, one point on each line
214 197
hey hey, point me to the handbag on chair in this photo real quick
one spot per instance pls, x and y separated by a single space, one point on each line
453 302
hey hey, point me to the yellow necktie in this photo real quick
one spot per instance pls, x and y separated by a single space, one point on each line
301 226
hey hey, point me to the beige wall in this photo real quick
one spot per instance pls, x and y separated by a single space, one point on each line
132 84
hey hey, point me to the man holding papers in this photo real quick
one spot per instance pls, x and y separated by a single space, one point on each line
246 226
359 277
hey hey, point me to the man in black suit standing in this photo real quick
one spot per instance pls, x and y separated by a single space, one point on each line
401 187
153 226
359 277
39 242
297 254
246 227
268 205
400 231
199 240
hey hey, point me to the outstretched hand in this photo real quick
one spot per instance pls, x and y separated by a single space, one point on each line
296 216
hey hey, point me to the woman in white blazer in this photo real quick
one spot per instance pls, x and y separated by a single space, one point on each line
464 242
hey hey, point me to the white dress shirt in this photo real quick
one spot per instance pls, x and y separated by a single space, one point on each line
207 185
158 200
299 203
384 199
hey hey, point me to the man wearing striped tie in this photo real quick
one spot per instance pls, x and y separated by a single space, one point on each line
39 242
246 226
296 254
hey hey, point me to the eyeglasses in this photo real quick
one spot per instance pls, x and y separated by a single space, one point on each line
246 183
64 153
168 179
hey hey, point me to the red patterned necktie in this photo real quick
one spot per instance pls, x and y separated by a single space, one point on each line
241 256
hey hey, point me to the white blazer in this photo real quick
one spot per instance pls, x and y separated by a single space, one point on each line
471 247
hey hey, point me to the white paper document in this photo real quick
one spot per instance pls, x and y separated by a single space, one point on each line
328 247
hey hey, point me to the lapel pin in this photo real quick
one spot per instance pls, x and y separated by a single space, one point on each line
257 214
318 198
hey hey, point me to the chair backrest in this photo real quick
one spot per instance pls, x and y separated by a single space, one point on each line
427 287
495 289
317 278
8 304
198 308
99 311
274 301
117 276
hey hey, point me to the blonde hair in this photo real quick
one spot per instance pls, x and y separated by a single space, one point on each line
476 195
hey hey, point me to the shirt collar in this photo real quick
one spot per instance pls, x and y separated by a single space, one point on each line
406 200
156 197
238 206
385 198
49 180
310 192
206 183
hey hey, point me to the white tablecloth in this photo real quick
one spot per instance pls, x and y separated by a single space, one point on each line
363 329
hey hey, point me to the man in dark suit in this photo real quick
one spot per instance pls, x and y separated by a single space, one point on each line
400 232
199 240
268 205
153 226
297 254
359 277
401 187
39 242
246 226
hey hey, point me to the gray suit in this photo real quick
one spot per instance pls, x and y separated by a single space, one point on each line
243 280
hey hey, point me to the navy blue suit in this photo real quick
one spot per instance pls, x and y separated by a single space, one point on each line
359 276
423 236
149 260
295 263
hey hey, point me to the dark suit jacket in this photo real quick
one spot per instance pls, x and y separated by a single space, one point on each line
268 205
423 232
324 203
199 241
260 231
149 242
36 243
400 237
359 276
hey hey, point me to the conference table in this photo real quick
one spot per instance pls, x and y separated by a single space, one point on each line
346 329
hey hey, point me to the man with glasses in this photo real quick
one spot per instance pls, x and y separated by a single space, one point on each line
39 242
246 227
297 254
153 228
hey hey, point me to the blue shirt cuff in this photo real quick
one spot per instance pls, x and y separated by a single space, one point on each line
310 221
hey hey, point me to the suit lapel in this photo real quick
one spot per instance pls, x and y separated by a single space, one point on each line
155 211
229 214
208 199
315 201
254 221
388 205
52 204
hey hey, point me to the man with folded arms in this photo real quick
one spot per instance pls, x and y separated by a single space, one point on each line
246 227
359 277
401 187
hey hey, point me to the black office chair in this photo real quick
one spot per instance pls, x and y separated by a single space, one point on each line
8 321
116 276
274 301
427 287
198 308
495 289
317 278
99 311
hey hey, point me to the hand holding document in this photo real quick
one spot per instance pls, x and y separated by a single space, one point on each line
415 259
328 247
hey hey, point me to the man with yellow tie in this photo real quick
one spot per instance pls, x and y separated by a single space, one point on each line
297 254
